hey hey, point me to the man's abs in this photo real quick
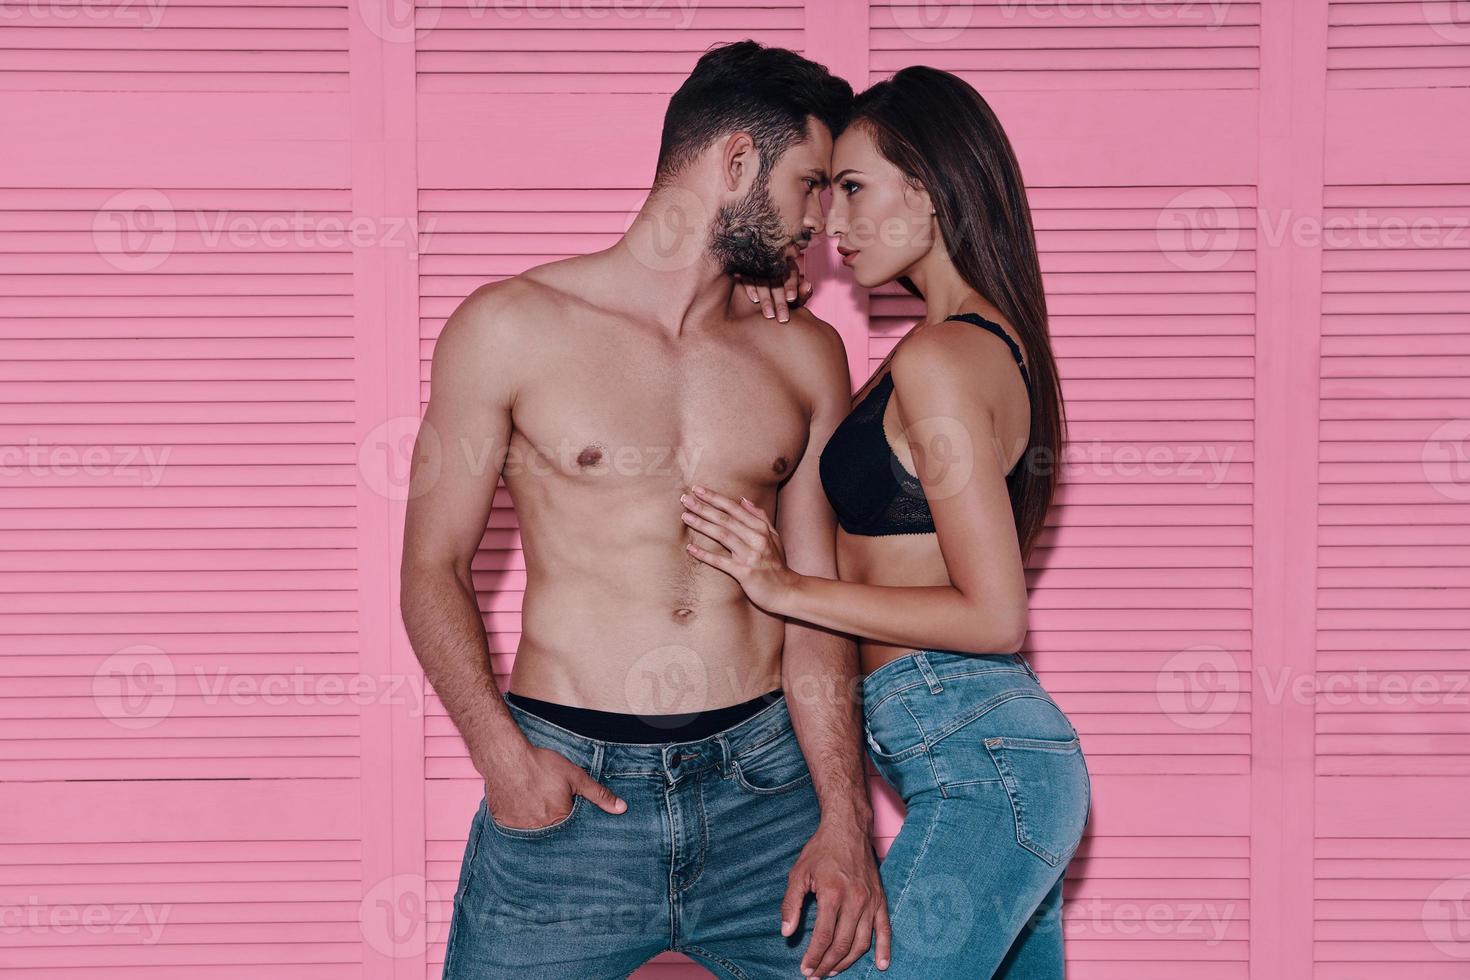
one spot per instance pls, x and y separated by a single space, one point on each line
650 631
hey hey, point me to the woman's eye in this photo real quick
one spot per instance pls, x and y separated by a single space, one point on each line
849 188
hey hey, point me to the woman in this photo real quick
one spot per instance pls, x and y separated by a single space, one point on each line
940 494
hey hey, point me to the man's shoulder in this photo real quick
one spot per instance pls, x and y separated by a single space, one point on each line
511 303
811 353
819 339
805 334
508 312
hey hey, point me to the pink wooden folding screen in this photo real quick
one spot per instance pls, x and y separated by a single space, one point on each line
232 232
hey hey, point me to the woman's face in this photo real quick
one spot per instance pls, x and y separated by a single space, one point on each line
882 224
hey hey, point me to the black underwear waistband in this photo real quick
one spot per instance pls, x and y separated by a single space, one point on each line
615 726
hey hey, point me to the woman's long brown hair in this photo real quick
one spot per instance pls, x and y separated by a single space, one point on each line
943 136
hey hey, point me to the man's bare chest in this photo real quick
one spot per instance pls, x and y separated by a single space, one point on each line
722 418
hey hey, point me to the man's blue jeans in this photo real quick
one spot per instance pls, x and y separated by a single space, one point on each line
697 863
997 792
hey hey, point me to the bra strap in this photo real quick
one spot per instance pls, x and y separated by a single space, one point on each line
996 329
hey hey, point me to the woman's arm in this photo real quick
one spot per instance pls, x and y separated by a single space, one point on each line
950 385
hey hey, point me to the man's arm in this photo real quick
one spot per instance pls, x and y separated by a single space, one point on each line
819 673
459 453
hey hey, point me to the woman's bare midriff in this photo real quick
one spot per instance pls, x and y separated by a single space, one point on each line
893 559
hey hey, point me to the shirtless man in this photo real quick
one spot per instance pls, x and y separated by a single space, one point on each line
648 786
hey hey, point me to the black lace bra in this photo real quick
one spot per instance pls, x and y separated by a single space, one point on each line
870 491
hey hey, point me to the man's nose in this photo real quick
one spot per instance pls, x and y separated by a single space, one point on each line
814 222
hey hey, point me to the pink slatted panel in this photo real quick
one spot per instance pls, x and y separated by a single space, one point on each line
1392 672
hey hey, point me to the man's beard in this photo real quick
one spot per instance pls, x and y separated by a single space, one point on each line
748 239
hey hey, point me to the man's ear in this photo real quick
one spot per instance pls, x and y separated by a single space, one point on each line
738 162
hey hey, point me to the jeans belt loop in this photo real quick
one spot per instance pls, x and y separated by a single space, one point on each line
922 660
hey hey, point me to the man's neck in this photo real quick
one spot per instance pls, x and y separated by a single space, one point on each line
663 262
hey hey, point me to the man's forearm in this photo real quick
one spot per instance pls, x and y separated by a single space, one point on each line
819 673
444 627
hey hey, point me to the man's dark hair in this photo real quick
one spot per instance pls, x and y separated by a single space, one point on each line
744 85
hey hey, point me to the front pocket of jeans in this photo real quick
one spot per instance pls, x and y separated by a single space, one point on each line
537 832
891 730
472 849
776 767
1048 786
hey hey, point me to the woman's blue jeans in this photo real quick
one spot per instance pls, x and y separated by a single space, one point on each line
997 793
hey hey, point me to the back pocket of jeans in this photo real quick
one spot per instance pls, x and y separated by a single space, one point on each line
1048 785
